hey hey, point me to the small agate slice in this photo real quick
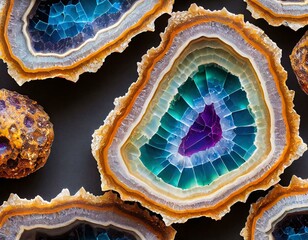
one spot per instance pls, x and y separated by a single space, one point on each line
26 135
82 216
299 62
209 120
43 39
291 13
281 215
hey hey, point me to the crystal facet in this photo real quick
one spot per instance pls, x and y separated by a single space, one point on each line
56 27
203 134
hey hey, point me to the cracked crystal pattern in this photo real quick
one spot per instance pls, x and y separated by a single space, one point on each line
42 39
60 25
292 227
210 112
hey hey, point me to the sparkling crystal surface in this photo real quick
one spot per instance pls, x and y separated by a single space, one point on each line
60 25
203 134
181 151
292 227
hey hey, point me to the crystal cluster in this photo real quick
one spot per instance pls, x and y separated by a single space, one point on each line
81 217
281 215
26 135
299 62
291 13
209 120
56 27
64 38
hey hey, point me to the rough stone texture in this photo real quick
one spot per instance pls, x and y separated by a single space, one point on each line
26 135
299 62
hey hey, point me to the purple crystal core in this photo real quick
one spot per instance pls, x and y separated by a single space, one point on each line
203 134
4 144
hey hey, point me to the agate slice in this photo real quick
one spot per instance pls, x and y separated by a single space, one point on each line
63 38
79 217
291 13
209 120
26 135
299 62
281 215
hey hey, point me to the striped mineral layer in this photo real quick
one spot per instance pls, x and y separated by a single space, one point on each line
291 13
82 216
281 215
64 38
208 121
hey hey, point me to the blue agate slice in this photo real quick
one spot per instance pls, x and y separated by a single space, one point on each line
60 25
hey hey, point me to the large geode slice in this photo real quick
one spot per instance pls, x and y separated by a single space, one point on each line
299 62
291 13
82 216
282 214
209 120
46 38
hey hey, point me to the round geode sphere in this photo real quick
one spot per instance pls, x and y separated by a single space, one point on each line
26 135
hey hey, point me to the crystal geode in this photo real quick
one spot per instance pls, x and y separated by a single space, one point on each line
26 135
280 215
82 216
43 38
208 121
299 62
291 13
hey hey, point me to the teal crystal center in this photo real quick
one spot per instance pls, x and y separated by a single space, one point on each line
207 131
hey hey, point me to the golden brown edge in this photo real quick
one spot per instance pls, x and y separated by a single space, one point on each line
259 11
16 206
296 186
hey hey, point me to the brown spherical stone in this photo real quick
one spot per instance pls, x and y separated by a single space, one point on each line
26 135
299 62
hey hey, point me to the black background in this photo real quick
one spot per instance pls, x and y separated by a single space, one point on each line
77 109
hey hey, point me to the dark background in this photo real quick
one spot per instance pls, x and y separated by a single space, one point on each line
77 109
